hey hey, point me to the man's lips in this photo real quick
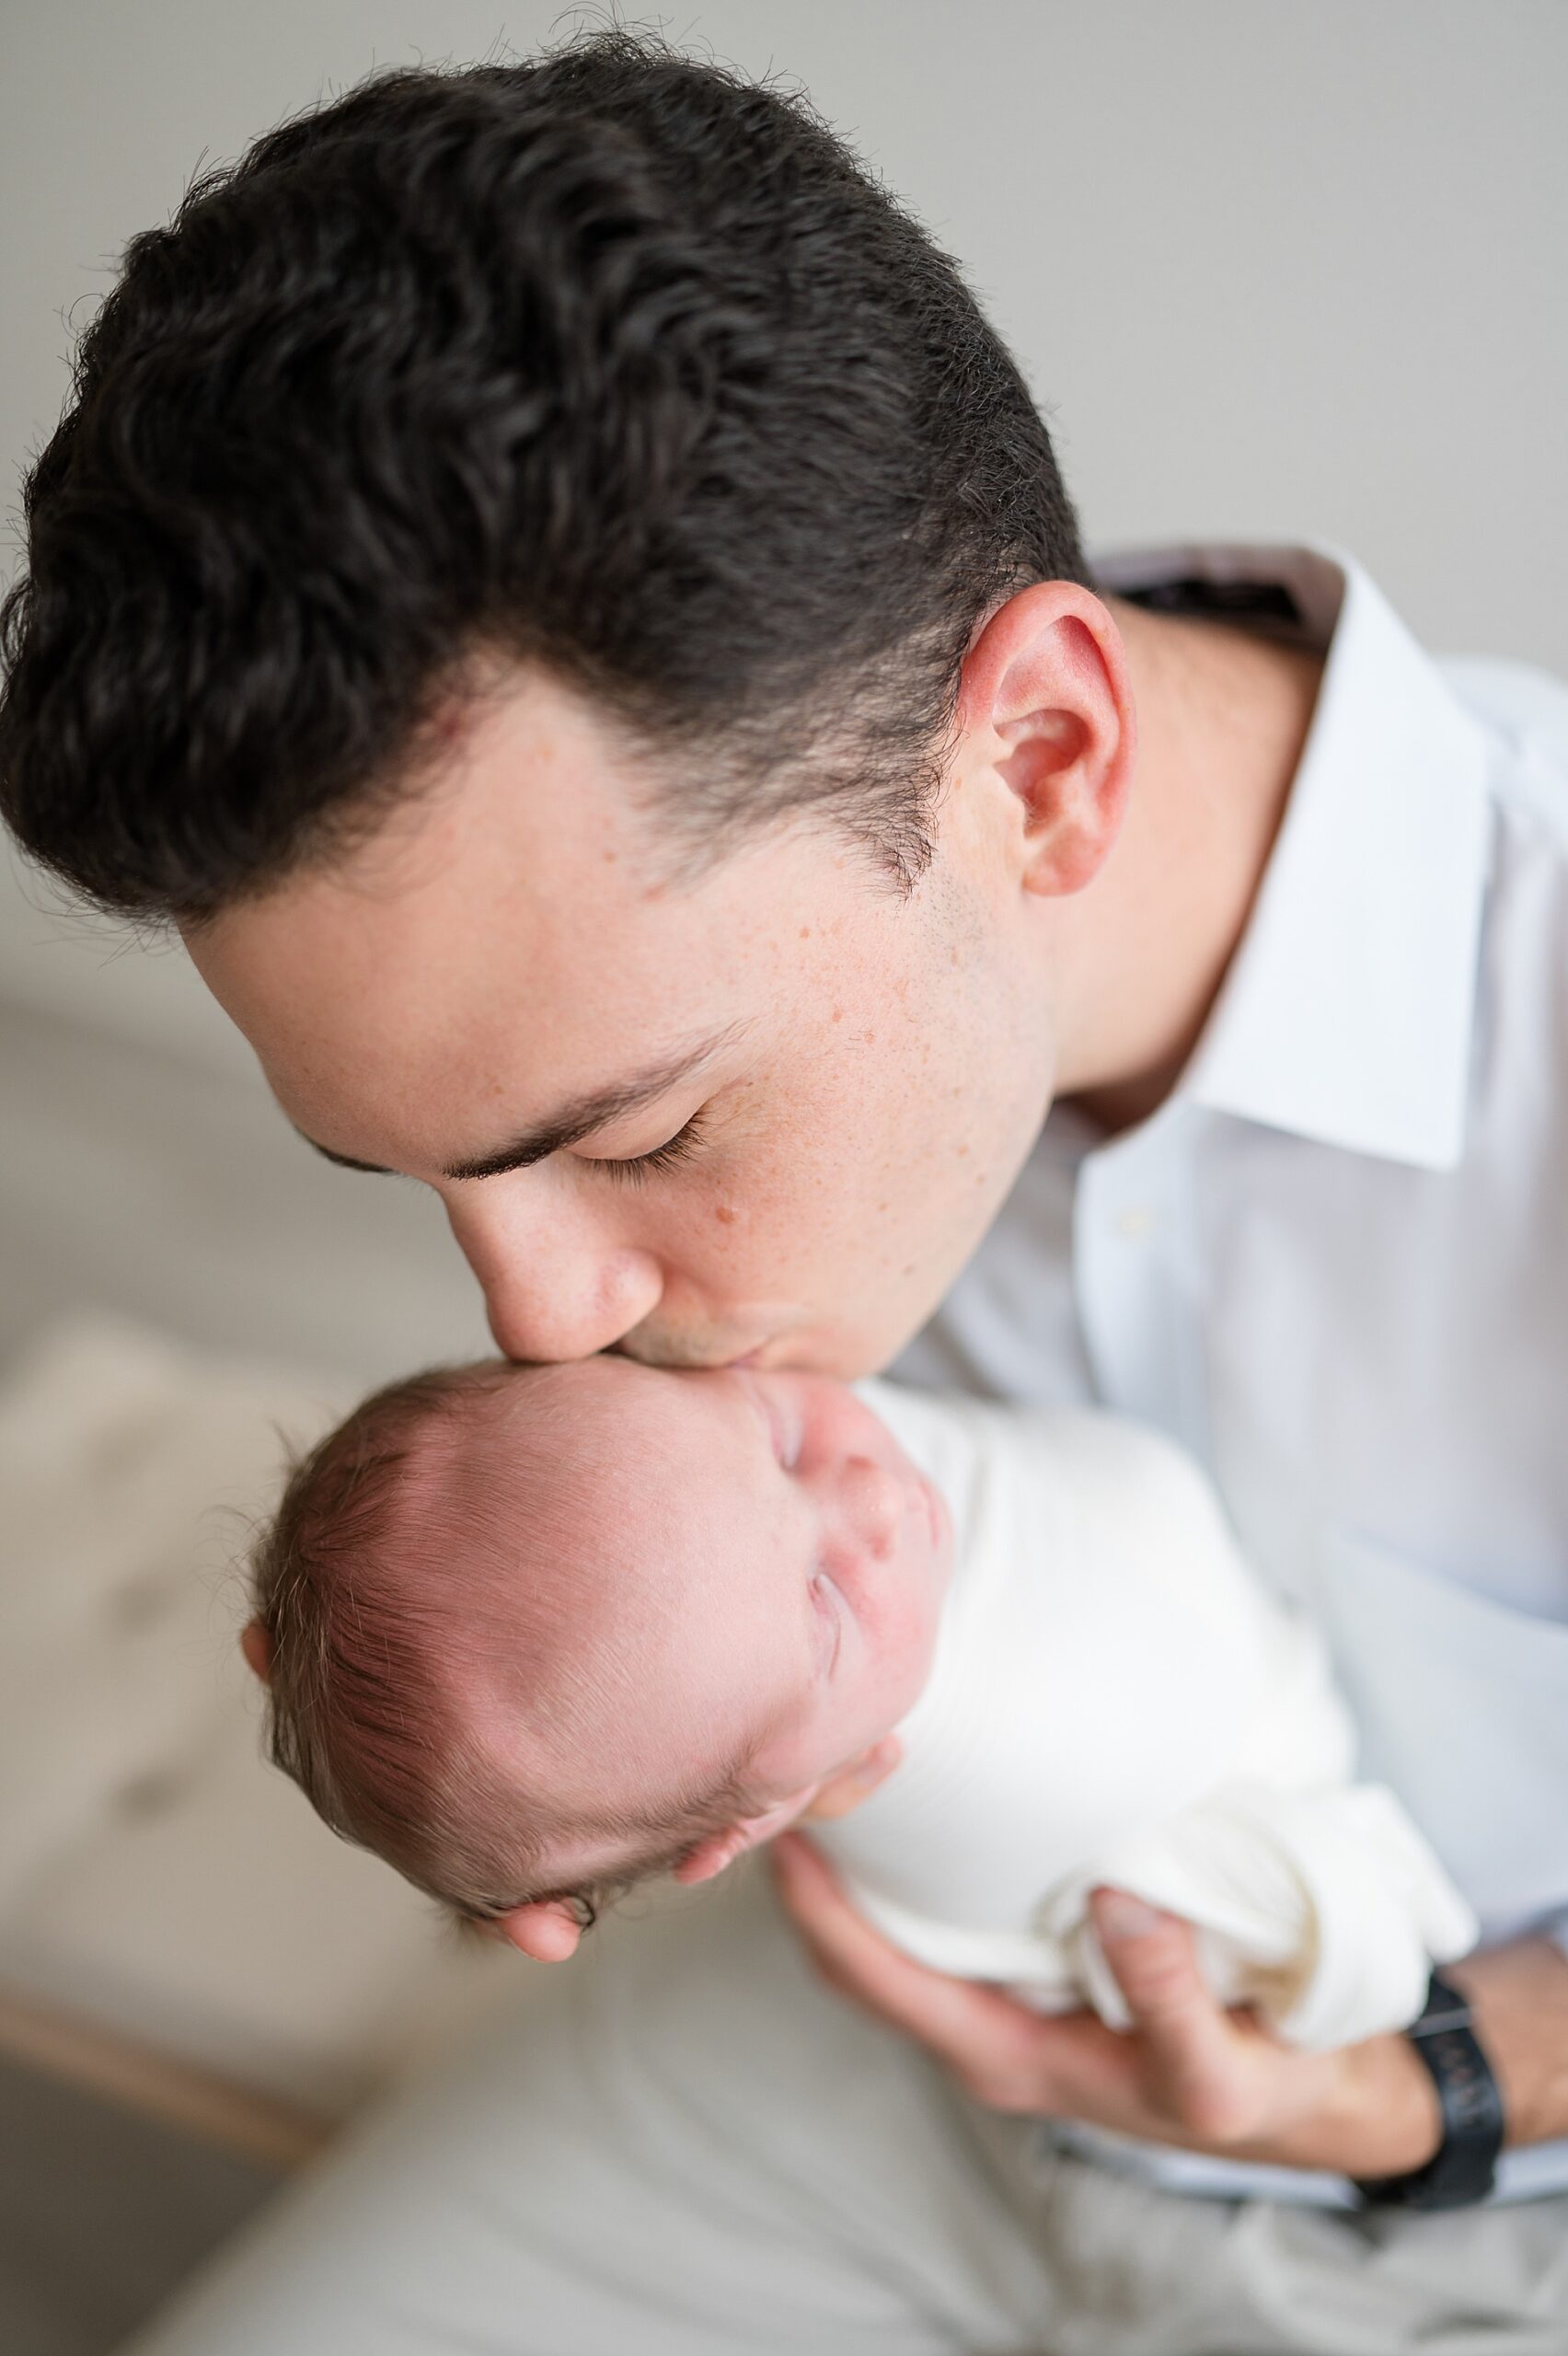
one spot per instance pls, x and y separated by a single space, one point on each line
689 1362
678 1351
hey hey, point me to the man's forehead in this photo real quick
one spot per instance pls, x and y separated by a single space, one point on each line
534 833
439 1000
475 938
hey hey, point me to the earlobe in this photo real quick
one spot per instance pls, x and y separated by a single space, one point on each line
548 1930
257 1645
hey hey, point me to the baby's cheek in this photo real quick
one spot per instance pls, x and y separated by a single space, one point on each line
889 1642
911 1642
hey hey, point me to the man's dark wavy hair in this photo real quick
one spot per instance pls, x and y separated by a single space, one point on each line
611 363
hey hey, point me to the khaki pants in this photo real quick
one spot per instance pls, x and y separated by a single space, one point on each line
683 2145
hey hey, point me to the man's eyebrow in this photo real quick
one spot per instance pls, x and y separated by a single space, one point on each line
580 1116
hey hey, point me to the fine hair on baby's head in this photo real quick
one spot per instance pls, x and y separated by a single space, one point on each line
459 1663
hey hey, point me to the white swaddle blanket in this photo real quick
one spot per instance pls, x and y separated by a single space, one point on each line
1116 1698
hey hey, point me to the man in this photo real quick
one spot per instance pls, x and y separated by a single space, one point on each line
551 583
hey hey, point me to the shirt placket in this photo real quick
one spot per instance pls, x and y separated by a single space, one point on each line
1138 1277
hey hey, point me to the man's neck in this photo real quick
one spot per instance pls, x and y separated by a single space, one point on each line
1222 718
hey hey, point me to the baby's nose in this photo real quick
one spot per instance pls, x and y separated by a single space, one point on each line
877 1505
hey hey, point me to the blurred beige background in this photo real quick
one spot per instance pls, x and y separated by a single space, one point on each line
1274 272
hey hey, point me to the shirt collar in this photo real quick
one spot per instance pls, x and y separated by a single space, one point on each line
1347 1011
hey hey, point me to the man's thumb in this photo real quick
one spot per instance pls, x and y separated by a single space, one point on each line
1152 1956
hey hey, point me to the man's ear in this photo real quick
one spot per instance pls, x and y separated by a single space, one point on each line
717 1850
257 1646
548 1930
1045 706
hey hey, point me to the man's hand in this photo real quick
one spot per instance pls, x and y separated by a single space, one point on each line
1190 2073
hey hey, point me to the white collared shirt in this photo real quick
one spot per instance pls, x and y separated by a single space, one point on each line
1334 1263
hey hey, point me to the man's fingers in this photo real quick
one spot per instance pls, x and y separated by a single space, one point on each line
1153 1958
1189 2073
856 1959
1192 2044
992 2045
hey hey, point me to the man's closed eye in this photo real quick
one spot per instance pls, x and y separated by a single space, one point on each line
635 1169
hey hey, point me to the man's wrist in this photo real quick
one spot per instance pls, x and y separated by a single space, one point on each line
1380 2114
1519 1995
1376 2113
1464 2169
1392 2118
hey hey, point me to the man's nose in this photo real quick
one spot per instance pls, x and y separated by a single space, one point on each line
556 1285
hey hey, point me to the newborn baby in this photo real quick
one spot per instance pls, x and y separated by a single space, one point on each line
539 1631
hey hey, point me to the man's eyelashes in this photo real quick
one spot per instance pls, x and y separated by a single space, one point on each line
637 1168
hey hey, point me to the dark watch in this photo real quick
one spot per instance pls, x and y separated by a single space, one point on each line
1466 2160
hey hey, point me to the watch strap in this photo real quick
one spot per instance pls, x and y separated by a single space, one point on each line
1465 2165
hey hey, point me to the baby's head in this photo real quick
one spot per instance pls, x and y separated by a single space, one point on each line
537 1631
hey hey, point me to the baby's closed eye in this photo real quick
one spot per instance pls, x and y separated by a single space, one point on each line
827 1598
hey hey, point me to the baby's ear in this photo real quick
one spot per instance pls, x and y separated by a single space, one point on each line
717 1850
257 1646
548 1930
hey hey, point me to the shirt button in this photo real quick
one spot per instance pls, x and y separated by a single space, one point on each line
1135 1224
